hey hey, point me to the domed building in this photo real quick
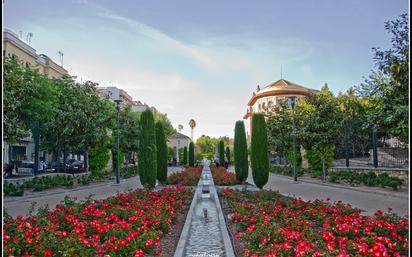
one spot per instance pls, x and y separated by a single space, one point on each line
272 95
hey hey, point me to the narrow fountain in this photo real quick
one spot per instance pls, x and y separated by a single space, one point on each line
205 232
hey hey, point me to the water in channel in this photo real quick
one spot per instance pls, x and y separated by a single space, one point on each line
205 239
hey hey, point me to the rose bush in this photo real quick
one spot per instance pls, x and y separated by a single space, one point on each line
128 224
221 177
188 177
273 225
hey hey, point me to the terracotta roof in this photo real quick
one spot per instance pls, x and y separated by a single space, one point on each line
179 135
281 87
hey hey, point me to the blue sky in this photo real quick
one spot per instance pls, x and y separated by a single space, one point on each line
203 59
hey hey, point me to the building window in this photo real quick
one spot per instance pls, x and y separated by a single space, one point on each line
27 65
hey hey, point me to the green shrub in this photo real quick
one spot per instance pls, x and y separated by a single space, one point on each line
185 155
161 153
147 151
228 154
285 170
130 171
289 157
191 154
314 158
221 153
259 156
98 159
368 179
240 152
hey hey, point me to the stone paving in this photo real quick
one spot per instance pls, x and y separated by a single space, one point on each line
21 205
368 200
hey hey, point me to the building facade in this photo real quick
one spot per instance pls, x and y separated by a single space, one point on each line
25 55
178 141
272 95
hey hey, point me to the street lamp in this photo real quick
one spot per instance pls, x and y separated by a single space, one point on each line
292 103
118 141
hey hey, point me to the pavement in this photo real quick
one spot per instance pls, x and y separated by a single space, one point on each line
369 200
20 205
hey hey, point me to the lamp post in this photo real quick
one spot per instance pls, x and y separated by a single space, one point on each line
292 102
118 141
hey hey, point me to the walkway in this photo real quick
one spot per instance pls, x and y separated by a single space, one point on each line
368 200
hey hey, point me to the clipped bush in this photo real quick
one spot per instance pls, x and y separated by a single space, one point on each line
221 153
228 154
161 153
147 151
259 155
240 152
191 154
185 155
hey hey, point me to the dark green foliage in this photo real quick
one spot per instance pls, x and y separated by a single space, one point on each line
314 158
368 179
98 159
191 154
162 152
285 170
11 189
221 152
259 156
228 154
129 171
289 156
147 152
185 155
240 152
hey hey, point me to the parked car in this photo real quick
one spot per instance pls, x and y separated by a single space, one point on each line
75 165
24 167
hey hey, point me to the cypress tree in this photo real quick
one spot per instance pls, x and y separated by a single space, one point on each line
162 152
185 155
228 155
147 152
259 156
221 153
240 152
191 154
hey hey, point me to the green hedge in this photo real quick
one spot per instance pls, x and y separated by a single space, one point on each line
286 170
161 153
259 156
191 154
147 151
98 159
365 178
240 152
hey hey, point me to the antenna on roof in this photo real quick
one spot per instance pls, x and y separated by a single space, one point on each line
20 34
61 57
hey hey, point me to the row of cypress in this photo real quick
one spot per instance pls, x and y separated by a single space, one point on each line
152 151
191 155
259 151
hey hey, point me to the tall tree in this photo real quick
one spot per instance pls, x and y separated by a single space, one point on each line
227 153
147 151
191 154
240 152
162 153
388 87
221 152
319 123
259 155
185 155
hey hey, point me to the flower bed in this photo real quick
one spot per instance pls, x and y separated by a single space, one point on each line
268 224
124 225
188 177
221 177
